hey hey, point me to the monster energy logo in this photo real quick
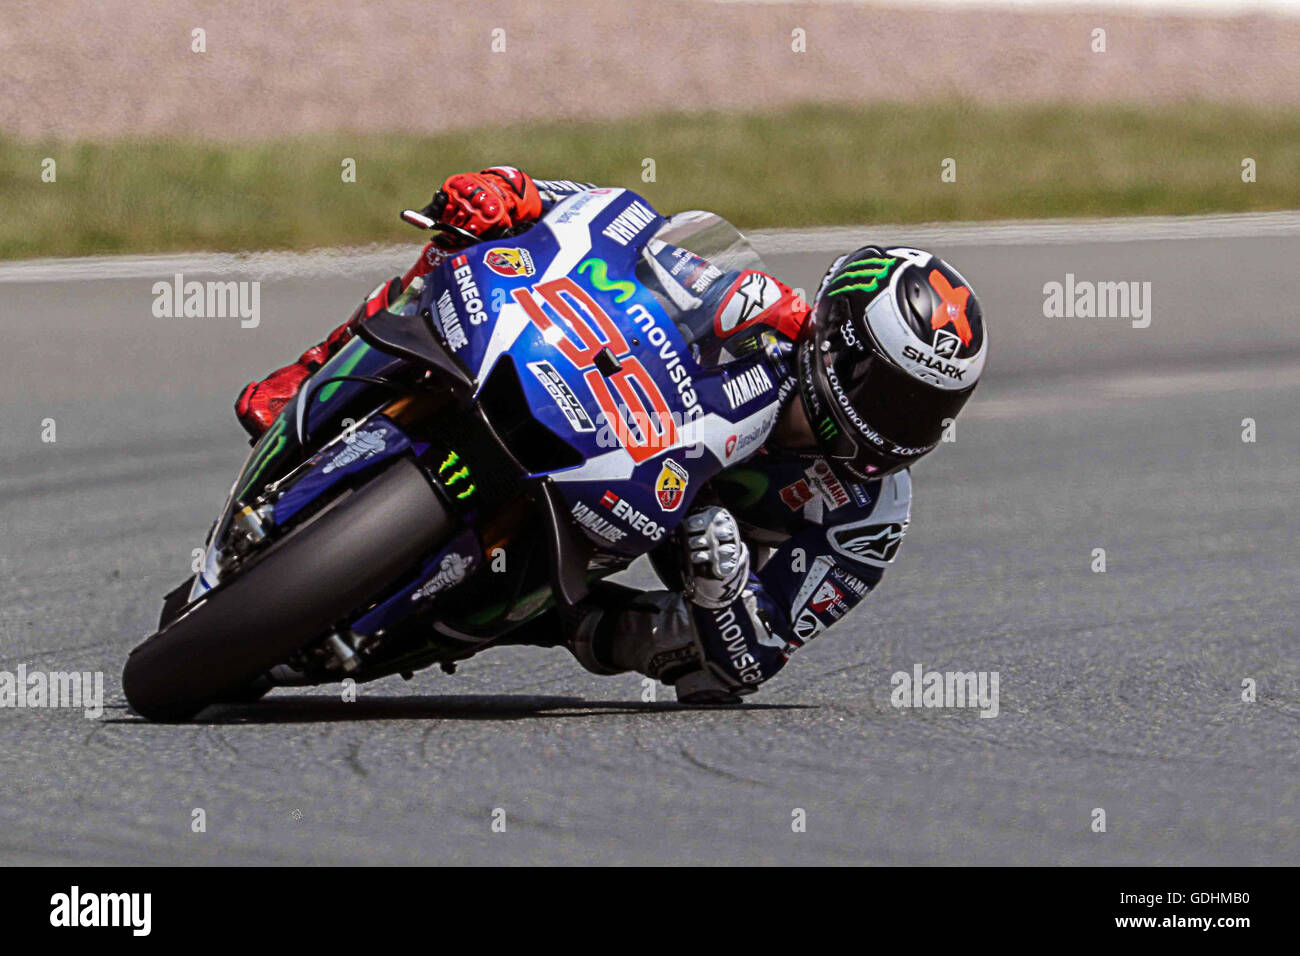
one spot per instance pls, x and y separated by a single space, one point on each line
868 267
271 445
827 429
457 475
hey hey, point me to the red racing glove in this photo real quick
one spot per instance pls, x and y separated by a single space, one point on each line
489 203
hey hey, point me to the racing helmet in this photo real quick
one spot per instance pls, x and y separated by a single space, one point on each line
891 351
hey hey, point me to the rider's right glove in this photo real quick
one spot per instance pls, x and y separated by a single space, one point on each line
487 204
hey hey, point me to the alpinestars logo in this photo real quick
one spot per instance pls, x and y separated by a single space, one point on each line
752 295
873 544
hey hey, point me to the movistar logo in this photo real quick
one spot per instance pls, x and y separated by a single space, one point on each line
457 475
857 273
599 269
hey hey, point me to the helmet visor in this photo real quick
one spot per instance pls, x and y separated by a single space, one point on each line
880 407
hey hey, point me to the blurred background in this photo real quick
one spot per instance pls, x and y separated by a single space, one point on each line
161 127
182 125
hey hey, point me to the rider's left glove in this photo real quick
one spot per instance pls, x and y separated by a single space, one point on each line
716 561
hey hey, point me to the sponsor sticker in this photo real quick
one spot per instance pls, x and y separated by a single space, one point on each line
670 486
362 445
602 528
945 344
752 295
636 519
744 387
825 597
564 397
451 571
450 323
797 495
467 289
628 224
874 544
807 626
511 262
827 485
746 441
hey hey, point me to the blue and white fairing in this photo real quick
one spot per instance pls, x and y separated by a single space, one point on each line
721 410
604 366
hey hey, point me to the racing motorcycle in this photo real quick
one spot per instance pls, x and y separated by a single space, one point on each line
529 417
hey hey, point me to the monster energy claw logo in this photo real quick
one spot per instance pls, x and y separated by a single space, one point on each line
272 444
459 473
859 270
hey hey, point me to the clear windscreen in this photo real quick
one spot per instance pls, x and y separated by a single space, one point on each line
711 237
688 262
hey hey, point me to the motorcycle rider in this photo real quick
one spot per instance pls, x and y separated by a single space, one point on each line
874 371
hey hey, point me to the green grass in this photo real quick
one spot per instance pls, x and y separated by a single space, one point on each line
800 167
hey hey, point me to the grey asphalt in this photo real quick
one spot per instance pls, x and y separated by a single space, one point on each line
1119 690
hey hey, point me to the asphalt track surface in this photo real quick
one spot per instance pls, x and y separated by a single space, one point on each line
1118 690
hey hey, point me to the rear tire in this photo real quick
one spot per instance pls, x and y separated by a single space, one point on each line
306 582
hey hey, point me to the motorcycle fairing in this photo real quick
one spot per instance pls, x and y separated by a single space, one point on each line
603 366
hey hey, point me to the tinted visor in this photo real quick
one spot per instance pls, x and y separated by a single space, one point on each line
887 412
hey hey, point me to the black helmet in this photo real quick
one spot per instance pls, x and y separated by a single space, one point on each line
893 348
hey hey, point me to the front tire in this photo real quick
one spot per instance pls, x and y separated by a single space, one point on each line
307 581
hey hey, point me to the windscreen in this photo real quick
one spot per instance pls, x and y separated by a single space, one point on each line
713 238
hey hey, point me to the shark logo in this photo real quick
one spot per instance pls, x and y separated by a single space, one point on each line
946 344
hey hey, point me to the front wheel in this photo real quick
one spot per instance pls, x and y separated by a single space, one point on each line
305 583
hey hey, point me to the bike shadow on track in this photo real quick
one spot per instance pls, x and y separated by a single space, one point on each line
314 708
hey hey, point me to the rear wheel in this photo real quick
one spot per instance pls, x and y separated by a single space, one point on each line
307 581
